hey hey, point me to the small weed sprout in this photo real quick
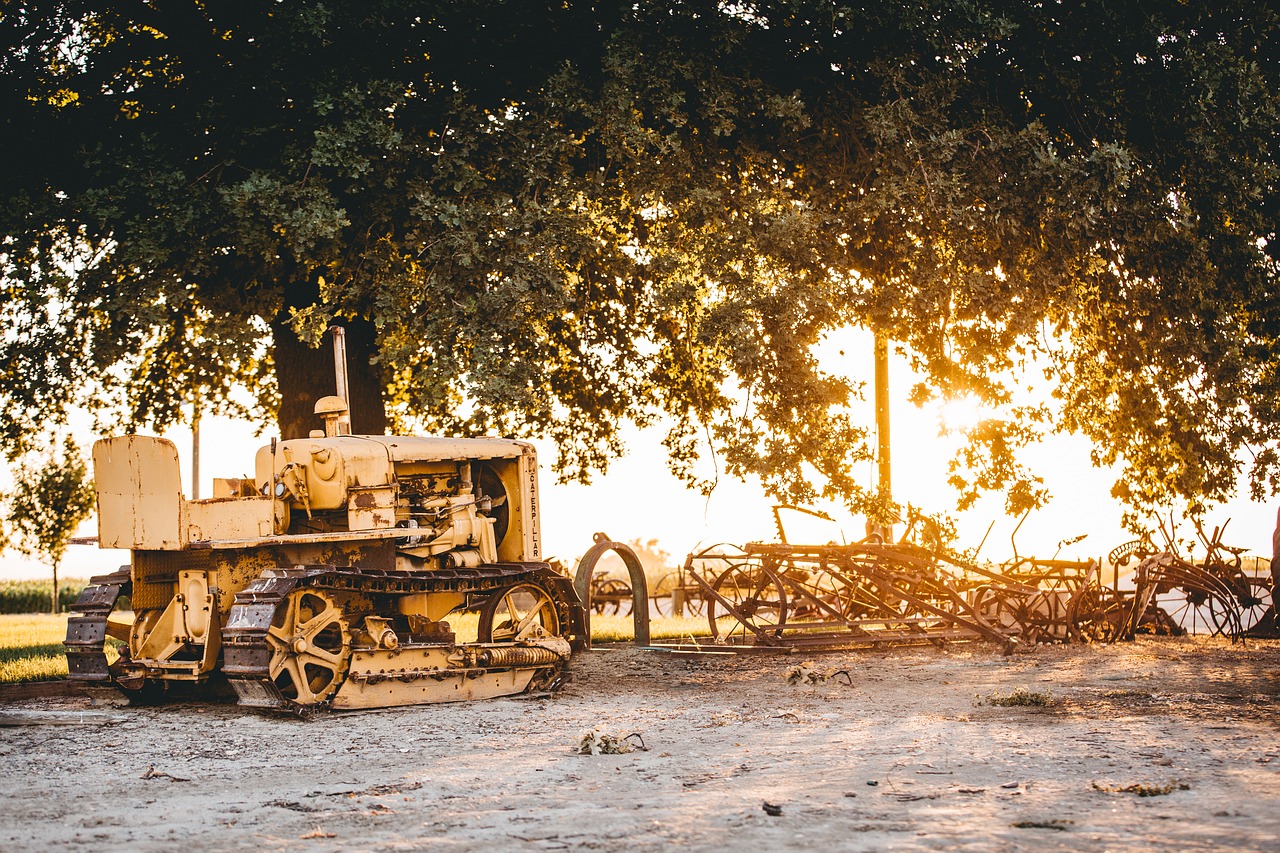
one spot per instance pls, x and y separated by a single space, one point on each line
1143 789
1021 697
595 742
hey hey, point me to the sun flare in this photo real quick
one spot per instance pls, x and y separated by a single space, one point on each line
960 415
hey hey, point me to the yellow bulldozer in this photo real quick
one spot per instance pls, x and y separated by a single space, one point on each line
351 571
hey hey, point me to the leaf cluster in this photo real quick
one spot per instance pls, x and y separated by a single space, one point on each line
565 218
52 494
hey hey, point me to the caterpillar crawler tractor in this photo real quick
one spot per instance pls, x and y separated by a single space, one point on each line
328 580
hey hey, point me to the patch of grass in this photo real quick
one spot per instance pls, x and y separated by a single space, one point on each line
1143 789
1021 697
31 644
31 647
621 629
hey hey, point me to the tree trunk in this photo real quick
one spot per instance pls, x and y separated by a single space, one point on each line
55 589
305 375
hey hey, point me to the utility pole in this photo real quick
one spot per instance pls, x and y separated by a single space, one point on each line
884 479
195 451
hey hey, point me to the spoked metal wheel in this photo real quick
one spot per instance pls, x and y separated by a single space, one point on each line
612 597
1045 617
1001 608
310 642
1186 611
525 610
757 597
816 595
1099 615
694 602
1239 612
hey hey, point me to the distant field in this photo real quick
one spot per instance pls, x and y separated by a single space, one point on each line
35 596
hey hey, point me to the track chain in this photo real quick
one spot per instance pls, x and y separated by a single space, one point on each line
247 654
87 629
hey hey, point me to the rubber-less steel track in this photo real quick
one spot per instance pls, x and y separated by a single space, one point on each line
87 629
247 653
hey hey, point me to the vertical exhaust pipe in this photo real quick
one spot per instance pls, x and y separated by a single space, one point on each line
340 372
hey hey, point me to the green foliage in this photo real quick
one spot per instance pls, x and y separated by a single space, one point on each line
52 494
34 596
659 211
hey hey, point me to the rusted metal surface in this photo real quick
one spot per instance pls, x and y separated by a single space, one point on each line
639 588
864 594
327 580
871 593
298 640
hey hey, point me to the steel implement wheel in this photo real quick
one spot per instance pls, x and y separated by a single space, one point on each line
756 593
661 596
1000 607
310 642
524 610
611 596
1256 601
1243 606
694 603
1189 610
1045 617
1099 615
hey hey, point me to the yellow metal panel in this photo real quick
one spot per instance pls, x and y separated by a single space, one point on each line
422 675
230 518
529 507
372 509
139 486
350 462
435 449
155 574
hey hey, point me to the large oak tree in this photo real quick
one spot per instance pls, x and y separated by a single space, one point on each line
561 218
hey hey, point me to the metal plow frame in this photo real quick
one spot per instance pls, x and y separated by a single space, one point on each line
777 597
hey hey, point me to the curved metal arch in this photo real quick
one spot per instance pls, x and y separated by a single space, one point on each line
639 584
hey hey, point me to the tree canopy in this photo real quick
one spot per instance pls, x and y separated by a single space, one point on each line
561 218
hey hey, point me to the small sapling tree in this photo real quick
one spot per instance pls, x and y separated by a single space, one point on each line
52 494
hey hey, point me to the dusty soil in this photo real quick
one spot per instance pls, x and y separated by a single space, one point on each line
905 753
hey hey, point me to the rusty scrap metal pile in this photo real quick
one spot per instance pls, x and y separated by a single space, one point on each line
872 593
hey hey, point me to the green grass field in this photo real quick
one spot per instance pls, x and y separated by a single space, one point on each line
31 644
31 647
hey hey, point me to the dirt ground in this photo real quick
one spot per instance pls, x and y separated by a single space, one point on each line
1155 745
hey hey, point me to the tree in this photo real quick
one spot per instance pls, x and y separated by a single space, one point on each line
559 220
51 496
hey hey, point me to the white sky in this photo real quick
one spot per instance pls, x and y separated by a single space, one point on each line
639 498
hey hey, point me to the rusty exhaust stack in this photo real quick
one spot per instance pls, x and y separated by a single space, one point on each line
340 371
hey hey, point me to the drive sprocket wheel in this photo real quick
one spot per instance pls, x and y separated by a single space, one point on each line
310 641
